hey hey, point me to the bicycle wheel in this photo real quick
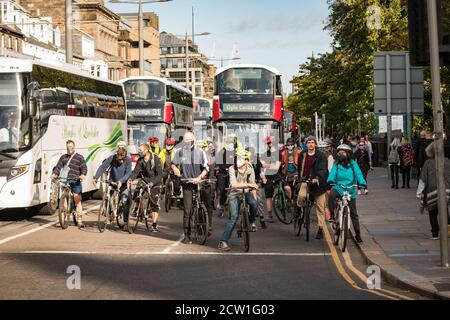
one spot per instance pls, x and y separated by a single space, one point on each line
246 229
63 210
336 228
103 215
279 207
120 214
298 221
344 231
133 218
202 225
307 220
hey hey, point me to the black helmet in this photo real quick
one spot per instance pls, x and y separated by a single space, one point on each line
290 141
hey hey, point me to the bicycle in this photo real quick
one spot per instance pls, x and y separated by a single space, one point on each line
244 225
283 207
198 219
303 214
111 207
66 206
139 207
341 225
167 193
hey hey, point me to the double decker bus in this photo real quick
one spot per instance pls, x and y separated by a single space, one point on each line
156 107
248 102
290 125
42 105
203 118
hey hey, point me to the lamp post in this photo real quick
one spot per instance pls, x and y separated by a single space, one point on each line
140 27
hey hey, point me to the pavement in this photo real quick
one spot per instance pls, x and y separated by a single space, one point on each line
397 238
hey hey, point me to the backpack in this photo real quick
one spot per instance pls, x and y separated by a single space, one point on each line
393 158
63 175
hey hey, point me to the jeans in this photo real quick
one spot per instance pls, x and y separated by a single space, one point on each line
406 175
188 191
235 208
334 195
394 174
223 182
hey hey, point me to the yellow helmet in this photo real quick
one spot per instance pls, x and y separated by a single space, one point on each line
202 143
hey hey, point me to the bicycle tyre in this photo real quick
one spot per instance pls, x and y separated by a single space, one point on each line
63 209
298 222
168 197
103 215
120 214
336 228
192 224
280 212
344 232
246 229
133 216
202 225
307 220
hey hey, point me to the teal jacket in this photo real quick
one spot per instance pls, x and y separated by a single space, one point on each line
346 176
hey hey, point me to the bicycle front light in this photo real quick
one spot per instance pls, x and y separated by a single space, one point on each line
17 171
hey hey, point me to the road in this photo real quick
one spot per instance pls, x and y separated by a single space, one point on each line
35 255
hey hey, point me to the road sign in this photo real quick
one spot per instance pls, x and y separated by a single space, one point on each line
397 83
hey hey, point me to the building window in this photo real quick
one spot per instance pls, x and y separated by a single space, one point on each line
198 91
163 63
198 76
164 50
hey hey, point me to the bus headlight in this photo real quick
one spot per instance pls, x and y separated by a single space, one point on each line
17 171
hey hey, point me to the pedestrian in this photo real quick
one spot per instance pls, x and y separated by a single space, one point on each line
427 189
361 156
394 161
419 151
406 161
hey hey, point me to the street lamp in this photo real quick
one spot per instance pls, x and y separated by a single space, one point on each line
140 27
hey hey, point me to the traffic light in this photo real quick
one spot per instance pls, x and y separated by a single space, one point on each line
419 46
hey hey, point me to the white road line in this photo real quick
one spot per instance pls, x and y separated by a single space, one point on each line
26 233
173 245
293 254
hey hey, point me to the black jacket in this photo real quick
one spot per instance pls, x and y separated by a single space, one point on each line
146 172
362 158
319 171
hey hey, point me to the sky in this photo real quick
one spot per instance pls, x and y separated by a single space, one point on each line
278 33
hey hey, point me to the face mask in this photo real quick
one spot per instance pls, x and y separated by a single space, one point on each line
240 163
342 158
290 148
70 150
169 148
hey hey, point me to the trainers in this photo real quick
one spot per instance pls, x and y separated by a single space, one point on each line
253 227
187 240
81 225
358 238
359 192
223 246
331 220
366 191
263 225
319 235
155 229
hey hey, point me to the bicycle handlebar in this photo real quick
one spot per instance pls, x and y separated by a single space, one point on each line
345 187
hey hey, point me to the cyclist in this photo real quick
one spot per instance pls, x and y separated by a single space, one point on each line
194 165
166 162
224 160
270 162
346 172
76 175
120 165
289 165
313 166
154 146
149 169
241 175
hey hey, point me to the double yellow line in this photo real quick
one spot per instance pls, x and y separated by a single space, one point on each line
348 262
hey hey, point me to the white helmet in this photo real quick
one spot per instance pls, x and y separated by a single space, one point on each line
121 144
344 147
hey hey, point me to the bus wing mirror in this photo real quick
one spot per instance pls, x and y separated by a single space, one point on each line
33 106
34 85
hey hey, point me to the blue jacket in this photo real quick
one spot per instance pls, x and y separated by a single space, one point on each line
346 176
118 172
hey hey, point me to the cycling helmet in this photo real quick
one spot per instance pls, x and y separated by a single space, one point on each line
202 143
268 139
290 141
170 141
344 147
153 140
121 144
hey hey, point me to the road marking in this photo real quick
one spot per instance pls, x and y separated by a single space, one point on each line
149 253
344 273
26 233
173 245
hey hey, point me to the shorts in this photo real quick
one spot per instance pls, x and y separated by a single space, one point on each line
76 187
154 199
269 187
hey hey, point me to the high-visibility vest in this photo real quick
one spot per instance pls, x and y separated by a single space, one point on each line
163 154
284 161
